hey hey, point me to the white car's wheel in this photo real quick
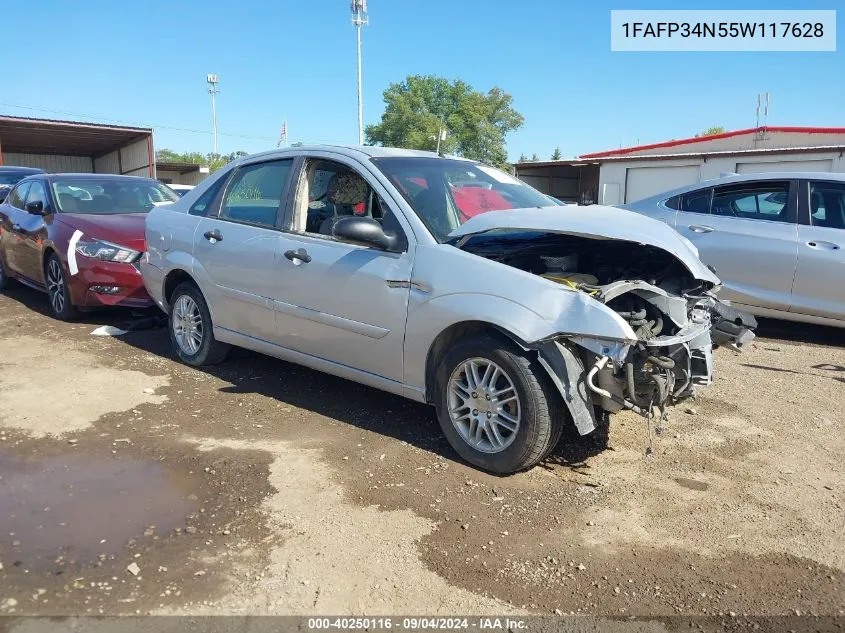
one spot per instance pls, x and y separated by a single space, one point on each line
496 406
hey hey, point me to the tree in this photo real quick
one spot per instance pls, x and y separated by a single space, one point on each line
716 129
213 161
556 154
421 106
522 158
534 157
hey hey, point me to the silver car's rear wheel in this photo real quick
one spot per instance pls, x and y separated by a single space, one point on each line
187 325
484 405
191 329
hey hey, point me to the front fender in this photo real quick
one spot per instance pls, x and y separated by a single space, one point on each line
577 314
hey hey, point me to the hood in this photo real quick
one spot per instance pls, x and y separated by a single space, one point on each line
596 222
126 229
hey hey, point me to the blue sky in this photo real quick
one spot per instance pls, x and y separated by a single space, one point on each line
145 63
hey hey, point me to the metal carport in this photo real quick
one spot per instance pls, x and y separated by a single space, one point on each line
71 146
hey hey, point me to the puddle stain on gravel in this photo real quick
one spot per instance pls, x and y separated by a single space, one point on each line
74 509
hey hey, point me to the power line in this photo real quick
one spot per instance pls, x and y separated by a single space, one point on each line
133 123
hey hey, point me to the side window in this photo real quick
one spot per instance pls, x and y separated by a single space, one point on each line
37 193
753 201
18 195
330 191
203 204
827 205
673 203
255 193
696 201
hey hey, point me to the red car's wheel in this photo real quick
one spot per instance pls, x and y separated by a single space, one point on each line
57 289
4 278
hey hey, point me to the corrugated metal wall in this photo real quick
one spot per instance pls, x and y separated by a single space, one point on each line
50 162
141 171
135 156
107 164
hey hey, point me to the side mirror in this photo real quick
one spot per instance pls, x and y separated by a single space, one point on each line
364 231
36 207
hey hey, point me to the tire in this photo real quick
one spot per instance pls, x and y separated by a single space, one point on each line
538 408
197 346
58 292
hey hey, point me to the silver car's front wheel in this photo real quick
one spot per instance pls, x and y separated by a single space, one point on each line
496 405
484 405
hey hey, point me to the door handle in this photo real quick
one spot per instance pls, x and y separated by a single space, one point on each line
213 236
700 228
828 245
299 254
16 227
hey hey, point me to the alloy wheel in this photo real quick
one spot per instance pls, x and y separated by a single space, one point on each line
56 286
484 405
187 325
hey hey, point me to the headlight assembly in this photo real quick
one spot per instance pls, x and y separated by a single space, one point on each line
106 251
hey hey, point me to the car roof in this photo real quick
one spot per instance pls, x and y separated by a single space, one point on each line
741 178
355 151
89 176
21 170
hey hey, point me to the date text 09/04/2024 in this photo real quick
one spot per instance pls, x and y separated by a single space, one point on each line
781 30
416 623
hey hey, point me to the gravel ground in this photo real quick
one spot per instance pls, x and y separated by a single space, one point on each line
132 484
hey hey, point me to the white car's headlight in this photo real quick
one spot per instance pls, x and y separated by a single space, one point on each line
106 251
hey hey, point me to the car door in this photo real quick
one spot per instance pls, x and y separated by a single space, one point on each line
235 246
32 231
343 302
818 288
748 233
12 226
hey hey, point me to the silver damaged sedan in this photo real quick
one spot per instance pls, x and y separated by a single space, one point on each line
445 281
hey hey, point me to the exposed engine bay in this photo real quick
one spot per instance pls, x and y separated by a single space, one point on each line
676 319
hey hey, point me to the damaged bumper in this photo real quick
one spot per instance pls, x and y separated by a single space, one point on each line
671 354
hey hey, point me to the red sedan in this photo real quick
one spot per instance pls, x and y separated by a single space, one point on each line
79 238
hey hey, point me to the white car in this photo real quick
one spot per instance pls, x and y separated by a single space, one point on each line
181 190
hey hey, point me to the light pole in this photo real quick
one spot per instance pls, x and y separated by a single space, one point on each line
213 91
359 19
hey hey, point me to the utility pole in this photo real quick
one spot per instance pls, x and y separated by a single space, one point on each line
213 91
760 133
359 19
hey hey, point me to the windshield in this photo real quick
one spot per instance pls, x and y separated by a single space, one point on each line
109 196
445 193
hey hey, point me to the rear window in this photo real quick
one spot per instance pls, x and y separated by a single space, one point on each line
109 196
692 202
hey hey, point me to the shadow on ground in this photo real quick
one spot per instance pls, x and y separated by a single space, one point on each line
369 409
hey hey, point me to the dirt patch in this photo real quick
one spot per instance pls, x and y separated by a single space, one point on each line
337 557
314 494
60 389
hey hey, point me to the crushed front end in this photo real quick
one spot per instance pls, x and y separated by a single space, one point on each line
673 353
667 319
